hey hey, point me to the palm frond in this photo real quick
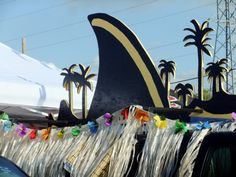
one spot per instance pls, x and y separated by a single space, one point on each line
189 86
207 30
172 72
210 63
161 65
223 61
82 68
87 70
180 93
89 85
162 73
196 25
72 67
63 74
90 76
191 30
163 61
65 69
190 43
205 50
189 92
206 39
188 37
207 45
204 25
79 88
179 86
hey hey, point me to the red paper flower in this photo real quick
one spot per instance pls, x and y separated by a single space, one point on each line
33 134
125 113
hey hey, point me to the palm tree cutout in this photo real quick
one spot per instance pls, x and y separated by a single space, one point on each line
167 68
184 91
216 71
68 82
83 81
199 39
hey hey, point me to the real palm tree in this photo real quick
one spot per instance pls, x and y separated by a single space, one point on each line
83 81
199 39
217 71
167 68
68 82
184 91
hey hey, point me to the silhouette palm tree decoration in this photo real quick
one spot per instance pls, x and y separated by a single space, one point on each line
68 82
217 71
167 68
83 81
199 39
184 91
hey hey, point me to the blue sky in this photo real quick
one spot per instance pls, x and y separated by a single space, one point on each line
58 31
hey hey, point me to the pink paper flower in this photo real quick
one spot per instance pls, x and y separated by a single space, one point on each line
21 130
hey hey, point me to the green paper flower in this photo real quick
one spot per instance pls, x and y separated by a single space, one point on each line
180 127
75 131
4 116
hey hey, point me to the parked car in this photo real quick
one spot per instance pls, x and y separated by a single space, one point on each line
9 169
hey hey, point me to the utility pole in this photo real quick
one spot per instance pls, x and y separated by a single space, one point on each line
225 43
23 44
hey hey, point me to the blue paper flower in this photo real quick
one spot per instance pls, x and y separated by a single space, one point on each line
7 126
203 125
92 126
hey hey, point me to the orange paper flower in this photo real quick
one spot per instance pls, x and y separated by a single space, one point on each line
142 116
46 133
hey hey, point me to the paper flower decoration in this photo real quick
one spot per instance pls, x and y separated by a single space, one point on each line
203 125
75 131
141 116
4 116
234 116
125 113
46 133
92 126
61 133
21 130
108 119
160 123
33 134
180 127
7 126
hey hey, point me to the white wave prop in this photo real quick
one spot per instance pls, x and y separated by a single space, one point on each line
46 158
188 161
160 152
124 148
116 143
107 152
36 157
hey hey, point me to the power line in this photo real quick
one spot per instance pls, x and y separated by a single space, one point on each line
121 10
47 30
164 45
7 2
133 7
59 42
75 23
37 11
172 14
184 80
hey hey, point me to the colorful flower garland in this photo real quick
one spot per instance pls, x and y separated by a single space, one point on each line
140 115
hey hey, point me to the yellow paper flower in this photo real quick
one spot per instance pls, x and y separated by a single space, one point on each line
159 122
60 134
